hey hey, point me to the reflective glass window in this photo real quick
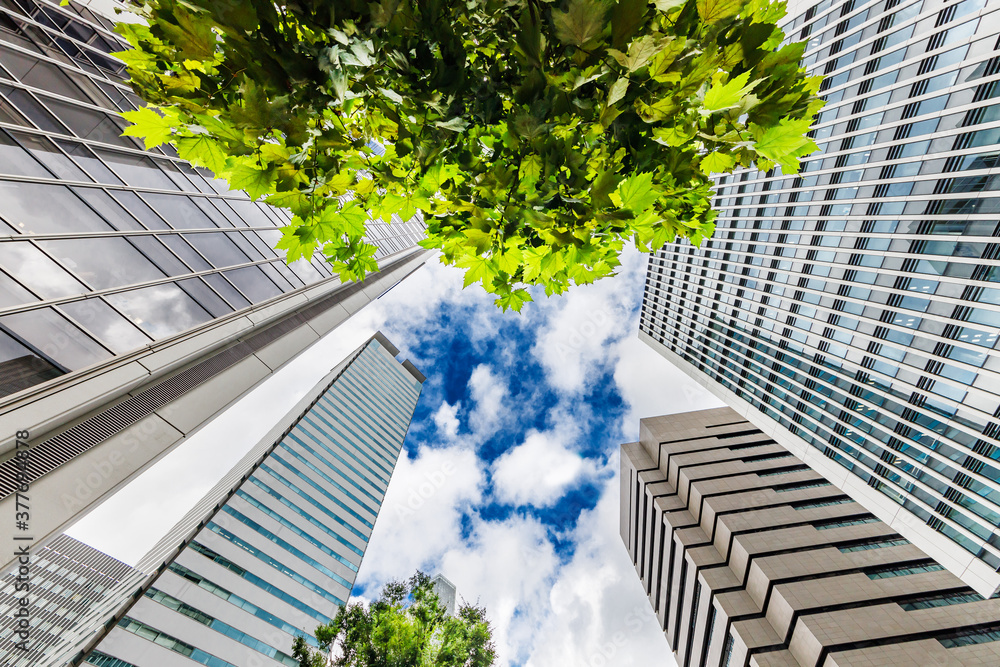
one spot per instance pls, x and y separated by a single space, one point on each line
21 368
103 262
106 324
208 299
185 252
253 283
33 269
31 108
153 248
160 310
228 292
16 160
56 337
131 202
136 170
217 248
46 209
108 208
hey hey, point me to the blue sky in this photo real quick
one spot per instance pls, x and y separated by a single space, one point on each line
509 482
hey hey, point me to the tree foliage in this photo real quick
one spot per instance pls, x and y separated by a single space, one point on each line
406 627
535 137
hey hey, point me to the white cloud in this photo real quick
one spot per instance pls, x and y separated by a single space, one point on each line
576 329
446 419
488 391
422 512
507 566
538 471
598 613
652 386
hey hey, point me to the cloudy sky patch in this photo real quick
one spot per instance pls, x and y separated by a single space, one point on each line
508 481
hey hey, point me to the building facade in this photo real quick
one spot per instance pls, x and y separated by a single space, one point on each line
138 295
749 557
273 550
71 588
851 311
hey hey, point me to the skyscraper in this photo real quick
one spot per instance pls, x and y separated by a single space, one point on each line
69 587
138 295
749 557
273 550
851 311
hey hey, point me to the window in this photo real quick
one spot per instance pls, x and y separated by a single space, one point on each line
843 523
902 571
940 600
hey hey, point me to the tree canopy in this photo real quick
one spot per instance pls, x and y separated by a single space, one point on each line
535 137
406 627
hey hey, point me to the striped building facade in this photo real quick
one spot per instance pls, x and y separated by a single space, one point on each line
751 558
69 586
273 550
852 311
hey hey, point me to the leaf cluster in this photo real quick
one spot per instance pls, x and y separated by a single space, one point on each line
406 627
535 138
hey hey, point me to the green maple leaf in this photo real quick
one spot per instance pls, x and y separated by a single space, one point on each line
254 180
582 22
784 143
618 90
478 268
478 239
626 17
354 218
639 52
203 151
509 261
296 201
514 300
712 11
152 127
717 163
728 95
532 258
666 5
636 193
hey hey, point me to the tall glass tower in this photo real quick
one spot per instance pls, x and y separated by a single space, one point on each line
273 550
851 311
123 271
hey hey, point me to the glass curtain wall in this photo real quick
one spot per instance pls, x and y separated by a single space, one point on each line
105 246
857 303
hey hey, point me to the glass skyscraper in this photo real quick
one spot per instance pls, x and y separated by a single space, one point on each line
852 311
273 550
123 271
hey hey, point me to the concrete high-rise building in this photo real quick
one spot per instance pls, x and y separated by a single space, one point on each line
273 550
750 557
446 592
138 295
851 311
69 589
